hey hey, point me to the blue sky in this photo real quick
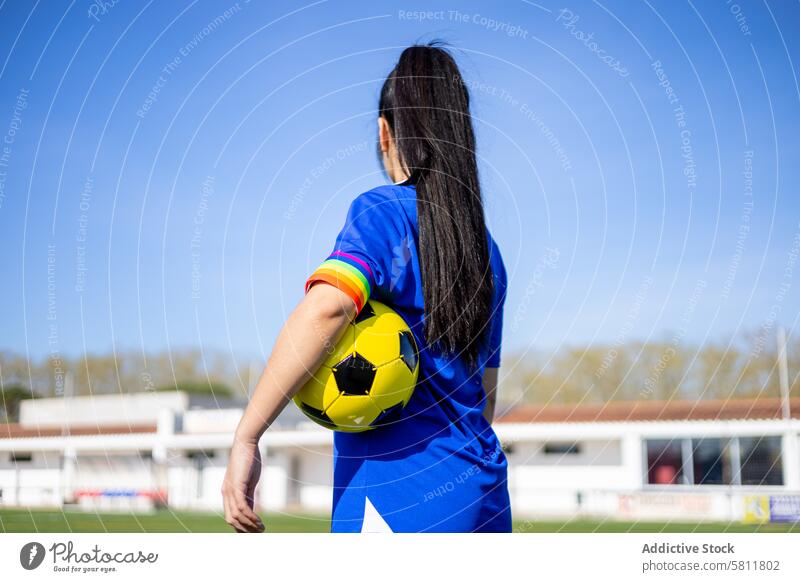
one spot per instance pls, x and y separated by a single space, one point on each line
173 171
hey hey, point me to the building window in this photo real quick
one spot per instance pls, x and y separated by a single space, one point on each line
715 461
760 460
711 461
21 457
562 448
664 462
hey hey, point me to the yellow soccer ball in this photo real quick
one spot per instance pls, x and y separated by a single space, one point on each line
369 376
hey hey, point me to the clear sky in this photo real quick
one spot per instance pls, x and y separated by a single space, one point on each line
171 172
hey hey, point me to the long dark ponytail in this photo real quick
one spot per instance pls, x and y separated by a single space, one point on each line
426 104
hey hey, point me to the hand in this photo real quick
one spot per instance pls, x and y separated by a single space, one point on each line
238 487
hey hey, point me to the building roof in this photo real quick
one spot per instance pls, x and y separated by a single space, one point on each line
16 430
623 411
653 410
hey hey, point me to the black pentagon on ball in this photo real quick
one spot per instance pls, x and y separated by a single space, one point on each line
365 313
318 415
354 375
390 415
408 349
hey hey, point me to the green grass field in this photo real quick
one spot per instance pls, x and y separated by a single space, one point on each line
48 521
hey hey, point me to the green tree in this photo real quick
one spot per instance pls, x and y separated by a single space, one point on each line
200 388
10 398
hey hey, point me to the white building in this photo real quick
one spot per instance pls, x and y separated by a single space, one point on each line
712 460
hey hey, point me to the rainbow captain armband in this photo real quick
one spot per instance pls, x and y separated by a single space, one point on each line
347 273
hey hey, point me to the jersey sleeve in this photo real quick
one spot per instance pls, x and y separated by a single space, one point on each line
358 263
496 333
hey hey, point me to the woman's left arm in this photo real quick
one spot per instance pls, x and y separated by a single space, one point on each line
307 337
490 388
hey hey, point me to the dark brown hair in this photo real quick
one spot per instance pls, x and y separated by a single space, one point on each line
426 104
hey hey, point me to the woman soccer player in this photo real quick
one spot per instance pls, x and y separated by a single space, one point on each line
422 247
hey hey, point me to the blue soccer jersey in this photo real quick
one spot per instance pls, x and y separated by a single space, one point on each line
440 467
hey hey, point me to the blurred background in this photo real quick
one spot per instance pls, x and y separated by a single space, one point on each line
170 173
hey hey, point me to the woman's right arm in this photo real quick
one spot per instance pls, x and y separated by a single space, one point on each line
307 337
302 345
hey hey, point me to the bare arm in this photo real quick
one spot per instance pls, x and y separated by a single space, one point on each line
309 333
490 388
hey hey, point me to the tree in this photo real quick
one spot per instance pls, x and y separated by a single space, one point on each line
10 398
200 388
